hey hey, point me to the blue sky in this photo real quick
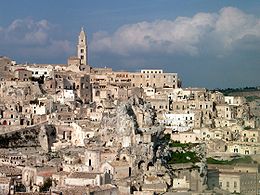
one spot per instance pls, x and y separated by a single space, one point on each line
209 43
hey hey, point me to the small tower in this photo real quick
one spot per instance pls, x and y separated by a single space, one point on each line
83 48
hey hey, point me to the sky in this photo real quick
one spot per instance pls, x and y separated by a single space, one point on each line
212 44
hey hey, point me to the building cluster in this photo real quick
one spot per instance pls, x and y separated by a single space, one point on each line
77 129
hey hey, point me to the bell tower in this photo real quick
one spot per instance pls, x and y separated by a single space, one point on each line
82 48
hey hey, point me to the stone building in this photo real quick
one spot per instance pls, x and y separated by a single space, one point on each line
234 179
155 78
23 74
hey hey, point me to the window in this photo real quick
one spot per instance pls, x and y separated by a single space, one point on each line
227 184
235 184
220 184
82 51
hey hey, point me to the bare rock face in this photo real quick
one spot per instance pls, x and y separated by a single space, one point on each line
203 170
125 120
46 137
43 139
133 129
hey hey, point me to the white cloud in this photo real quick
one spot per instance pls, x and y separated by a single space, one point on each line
28 37
183 35
27 32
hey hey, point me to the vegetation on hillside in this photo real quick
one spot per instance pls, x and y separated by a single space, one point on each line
245 159
252 98
182 153
183 157
228 91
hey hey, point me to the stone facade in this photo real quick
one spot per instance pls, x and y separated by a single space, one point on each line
76 129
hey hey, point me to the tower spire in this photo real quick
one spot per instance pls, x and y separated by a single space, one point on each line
82 47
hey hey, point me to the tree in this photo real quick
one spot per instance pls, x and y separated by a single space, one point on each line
46 185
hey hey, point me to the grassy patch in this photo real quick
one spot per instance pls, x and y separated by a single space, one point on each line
178 144
246 159
237 90
181 157
215 161
166 138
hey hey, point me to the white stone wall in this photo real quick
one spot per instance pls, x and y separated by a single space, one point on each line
180 183
38 71
66 96
179 122
185 137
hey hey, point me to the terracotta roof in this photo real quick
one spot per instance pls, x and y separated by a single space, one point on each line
61 173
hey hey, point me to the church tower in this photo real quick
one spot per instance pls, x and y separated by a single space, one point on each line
83 48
